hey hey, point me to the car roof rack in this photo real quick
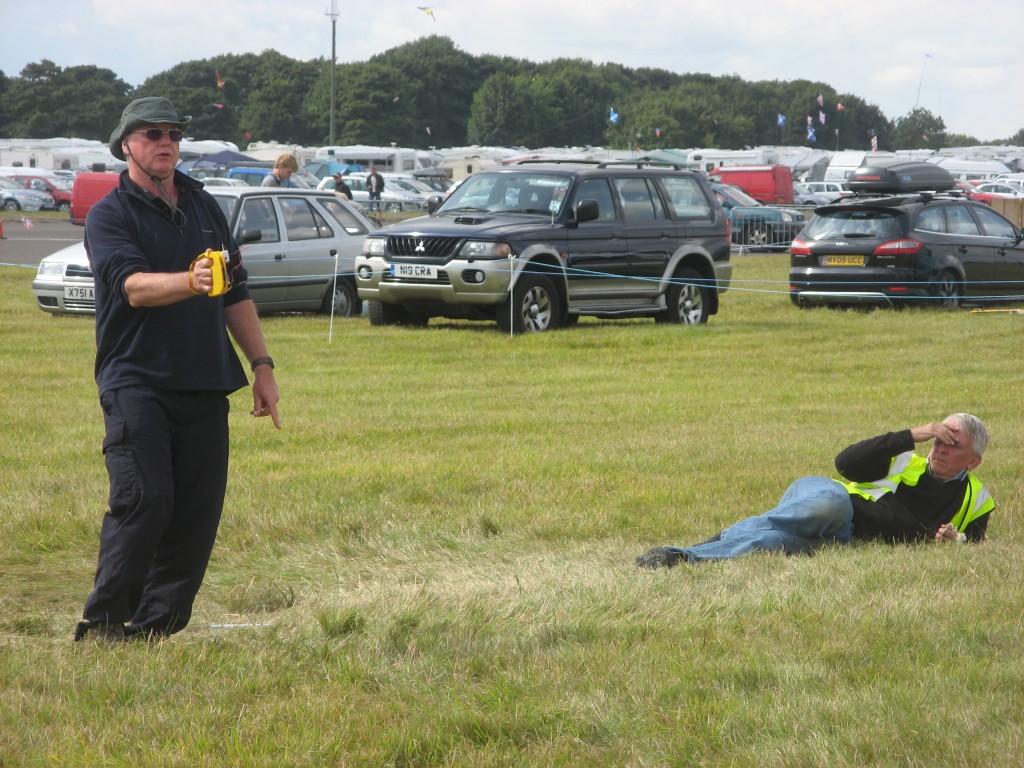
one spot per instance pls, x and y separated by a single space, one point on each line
554 161
642 164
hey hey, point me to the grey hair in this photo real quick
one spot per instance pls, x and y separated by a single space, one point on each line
975 429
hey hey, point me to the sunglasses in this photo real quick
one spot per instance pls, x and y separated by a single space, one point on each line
155 134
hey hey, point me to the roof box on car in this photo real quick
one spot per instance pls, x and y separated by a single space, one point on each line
901 176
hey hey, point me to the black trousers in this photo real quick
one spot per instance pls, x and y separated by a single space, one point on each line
167 459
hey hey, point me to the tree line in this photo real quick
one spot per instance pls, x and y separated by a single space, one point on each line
428 93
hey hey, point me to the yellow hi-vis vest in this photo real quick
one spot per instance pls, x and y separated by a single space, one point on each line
908 468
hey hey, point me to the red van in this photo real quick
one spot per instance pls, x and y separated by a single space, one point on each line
769 184
88 188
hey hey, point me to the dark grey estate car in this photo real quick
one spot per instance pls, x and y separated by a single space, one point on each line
537 245
905 236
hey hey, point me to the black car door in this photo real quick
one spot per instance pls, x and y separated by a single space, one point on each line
1007 253
598 258
652 234
974 251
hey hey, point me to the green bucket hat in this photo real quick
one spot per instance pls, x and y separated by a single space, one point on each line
150 110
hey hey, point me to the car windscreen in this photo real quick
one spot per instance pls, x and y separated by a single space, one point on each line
532 192
839 223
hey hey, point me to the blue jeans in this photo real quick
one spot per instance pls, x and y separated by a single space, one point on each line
812 512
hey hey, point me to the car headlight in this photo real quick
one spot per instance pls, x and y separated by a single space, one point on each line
481 249
50 268
374 246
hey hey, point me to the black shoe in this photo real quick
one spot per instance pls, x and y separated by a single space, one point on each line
659 557
101 632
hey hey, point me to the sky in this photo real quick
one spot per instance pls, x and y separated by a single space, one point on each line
962 62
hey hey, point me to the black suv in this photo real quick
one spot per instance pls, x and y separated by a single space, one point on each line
535 246
905 235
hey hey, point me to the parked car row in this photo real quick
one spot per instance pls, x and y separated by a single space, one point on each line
534 247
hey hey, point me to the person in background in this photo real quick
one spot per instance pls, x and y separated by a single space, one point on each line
374 185
284 167
341 188
164 369
890 494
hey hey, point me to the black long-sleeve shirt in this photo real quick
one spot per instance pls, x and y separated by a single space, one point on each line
177 347
911 512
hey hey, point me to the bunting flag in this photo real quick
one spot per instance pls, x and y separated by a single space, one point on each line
780 120
657 132
821 101
428 131
220 80
810 121
840 107
811 136
613 116
821 118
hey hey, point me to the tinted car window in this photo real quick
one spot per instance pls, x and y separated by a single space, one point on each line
960 221
686 198
994 225
597 189
638 204
932 220
853 223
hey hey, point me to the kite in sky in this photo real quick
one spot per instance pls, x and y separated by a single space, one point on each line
429 10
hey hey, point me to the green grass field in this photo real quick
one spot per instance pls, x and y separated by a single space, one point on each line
432 564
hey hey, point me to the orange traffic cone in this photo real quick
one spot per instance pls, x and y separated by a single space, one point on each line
2 235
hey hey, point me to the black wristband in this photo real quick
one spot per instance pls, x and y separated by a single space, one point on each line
262 361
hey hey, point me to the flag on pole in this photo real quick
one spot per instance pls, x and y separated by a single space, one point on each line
810 120
780 120
821 118
840 107
821 101
811 136
613 116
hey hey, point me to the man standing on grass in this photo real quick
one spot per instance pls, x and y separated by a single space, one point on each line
891 494
164 368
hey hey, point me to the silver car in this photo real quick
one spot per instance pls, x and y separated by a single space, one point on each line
299 249
15 197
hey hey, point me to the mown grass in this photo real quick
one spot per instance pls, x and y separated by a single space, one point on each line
432 564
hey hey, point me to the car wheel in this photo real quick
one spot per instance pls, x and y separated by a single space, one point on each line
386 314
343 299
948 289
393 207
11 205
532 307
65 207
687 299
758 235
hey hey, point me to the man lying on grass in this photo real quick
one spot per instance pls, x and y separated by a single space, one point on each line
892 494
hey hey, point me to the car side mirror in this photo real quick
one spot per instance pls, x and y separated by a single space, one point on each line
434 202
251 236
587 210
